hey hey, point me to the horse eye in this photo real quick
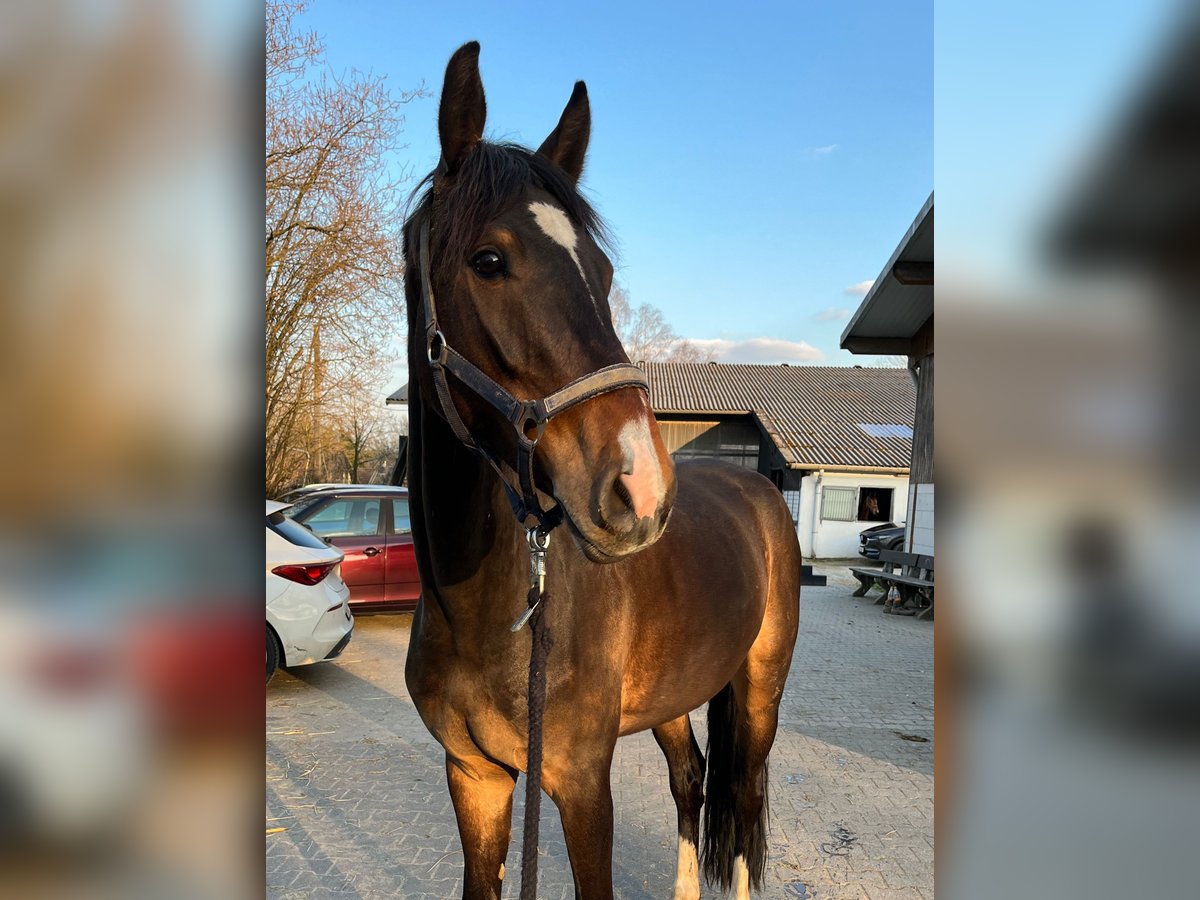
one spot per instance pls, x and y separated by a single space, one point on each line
488 264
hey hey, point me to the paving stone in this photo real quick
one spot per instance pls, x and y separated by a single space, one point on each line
359 783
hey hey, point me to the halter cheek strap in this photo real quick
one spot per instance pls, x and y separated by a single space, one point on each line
527 417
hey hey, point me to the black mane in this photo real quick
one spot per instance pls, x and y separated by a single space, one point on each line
488 181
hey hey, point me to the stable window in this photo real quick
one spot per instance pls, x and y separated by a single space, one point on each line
848 504
837 503
875 504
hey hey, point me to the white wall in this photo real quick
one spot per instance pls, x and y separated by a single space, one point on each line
920 506
828 539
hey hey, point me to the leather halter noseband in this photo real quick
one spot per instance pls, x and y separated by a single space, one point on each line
525 416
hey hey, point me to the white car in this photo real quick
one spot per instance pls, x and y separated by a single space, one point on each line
308 613
75 737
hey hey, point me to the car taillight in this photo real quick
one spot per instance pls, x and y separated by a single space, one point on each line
304 574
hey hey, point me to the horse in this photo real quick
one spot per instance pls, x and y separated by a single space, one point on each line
670 585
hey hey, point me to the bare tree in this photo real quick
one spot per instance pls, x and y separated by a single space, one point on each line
887 362
645 334
333 250
366 433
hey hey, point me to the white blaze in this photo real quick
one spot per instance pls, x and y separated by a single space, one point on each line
687 873
554 222
638 446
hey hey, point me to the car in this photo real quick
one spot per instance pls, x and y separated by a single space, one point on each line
308 609
304 495
295 494
370 525
887 536
75 737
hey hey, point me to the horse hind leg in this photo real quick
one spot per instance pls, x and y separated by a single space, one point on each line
686 767
735 809
742 720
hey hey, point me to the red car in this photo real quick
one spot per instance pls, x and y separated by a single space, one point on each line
370 524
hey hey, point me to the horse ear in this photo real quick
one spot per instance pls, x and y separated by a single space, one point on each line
462 110
567 144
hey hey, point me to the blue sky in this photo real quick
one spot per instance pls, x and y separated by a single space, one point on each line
755 161
1028 95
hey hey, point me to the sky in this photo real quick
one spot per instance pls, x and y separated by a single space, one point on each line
1019 118
758 163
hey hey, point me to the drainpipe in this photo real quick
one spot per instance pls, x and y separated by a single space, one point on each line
812 525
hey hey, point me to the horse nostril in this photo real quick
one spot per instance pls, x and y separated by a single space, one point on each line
615 508
622 492
628 503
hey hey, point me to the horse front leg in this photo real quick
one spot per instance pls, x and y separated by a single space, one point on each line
482 793
582 792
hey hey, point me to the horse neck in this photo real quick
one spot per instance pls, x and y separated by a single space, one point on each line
468 541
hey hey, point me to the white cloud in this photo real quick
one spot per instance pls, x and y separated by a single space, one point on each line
757 350
833 314
860 289
824 151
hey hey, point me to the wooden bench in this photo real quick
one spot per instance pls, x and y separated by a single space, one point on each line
911 573
869 577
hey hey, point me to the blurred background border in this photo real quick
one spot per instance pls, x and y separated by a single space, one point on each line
131 186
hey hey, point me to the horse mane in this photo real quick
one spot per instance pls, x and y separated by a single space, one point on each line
489 180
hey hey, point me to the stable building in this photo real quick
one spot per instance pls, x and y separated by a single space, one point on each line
896 318
835 440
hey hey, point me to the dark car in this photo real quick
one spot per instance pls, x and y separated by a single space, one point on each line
296 494
370 524
888 536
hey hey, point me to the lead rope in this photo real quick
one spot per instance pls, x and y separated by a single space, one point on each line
540 645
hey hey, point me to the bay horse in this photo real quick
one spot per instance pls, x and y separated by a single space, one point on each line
677 585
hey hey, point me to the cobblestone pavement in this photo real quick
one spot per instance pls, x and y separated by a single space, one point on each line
357 784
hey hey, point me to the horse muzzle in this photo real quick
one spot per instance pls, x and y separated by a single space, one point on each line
630 500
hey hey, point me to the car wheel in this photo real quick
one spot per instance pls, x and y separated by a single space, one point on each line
896 544
272 654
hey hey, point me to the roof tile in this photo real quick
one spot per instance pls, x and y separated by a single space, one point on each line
811 413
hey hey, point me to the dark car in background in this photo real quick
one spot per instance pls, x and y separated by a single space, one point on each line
888 536
294 495
370 524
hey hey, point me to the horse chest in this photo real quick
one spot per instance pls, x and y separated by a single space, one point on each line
470 705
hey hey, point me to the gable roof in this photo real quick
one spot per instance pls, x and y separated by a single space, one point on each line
813 414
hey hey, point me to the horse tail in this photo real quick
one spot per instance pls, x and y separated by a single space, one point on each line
726 836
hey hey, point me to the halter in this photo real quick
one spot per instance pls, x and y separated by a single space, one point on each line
527 417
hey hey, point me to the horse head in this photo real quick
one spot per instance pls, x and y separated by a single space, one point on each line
521 284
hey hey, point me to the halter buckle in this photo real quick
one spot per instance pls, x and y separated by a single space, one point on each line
529 421
436 350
